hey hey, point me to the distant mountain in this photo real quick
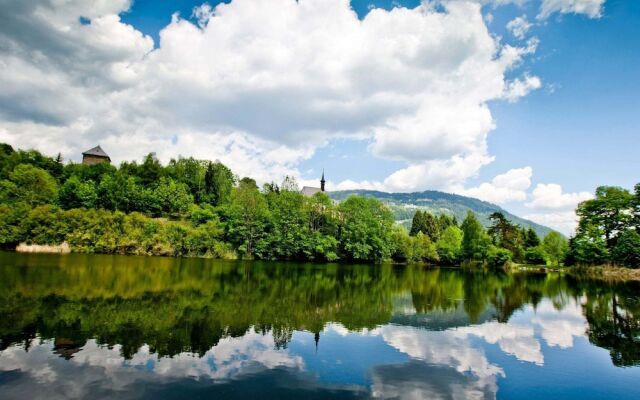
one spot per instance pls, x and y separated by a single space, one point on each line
404 206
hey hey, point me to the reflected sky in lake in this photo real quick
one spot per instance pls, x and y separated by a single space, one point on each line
308 330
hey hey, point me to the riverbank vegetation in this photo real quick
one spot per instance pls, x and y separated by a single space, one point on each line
199 208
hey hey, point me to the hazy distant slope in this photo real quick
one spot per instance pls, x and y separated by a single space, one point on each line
404 205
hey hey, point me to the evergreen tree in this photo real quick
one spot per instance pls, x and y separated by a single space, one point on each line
531 238
417 224
506 235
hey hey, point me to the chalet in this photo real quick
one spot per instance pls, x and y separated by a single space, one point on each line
95 156
310 190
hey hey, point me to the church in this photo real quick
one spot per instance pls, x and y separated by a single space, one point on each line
95 156
310 191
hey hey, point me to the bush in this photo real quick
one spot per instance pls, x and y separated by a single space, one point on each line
535 255
498 257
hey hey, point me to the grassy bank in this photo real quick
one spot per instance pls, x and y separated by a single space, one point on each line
606 273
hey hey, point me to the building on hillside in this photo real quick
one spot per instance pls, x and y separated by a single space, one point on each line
310 190
95 156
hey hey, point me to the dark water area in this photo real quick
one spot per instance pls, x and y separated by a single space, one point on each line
103 327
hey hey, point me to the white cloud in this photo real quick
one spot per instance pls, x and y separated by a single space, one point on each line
518 88
551 196
560 207
519 26
510 186
591 8
514 339
443 348
258 89
559 328
102 369
562 221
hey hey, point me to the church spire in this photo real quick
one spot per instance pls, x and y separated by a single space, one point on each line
322 181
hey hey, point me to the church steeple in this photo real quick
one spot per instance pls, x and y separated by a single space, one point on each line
322 181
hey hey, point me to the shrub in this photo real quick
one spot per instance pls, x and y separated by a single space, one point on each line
535 255
498 257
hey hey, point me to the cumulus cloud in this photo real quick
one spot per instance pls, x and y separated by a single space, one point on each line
510 186
557 208
551 196
102 372
521 87
562 221
258 89
591 8
559 328
519 27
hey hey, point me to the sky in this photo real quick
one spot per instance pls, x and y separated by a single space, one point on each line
529 104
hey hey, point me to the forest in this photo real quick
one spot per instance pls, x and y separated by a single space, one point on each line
199 208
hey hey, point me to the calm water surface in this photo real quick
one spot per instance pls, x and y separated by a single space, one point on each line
86 326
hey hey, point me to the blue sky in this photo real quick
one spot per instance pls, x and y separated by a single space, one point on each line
547 112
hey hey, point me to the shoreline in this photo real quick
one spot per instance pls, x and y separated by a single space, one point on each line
606 273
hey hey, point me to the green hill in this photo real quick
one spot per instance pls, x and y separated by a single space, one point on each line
404 206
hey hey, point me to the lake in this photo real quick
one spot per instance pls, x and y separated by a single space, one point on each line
98 327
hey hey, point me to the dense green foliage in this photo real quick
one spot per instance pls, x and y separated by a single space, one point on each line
186 208
199 208
404 205
608 230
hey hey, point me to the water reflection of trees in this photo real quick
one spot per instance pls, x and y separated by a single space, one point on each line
177 305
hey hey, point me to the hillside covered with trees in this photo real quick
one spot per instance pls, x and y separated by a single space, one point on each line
404 205
199 208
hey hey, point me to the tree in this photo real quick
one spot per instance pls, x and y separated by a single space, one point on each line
627 249
498 257
531 238
475 241
588 247
536 255
401 244
426 223
449 245
321 214
608 212
289 236
31 185
289 184
150 171
424 249
555 246
218 183
169 197
365 229
191 172
635 210
247 216
505 234
119 192
445 221
77 194
417 223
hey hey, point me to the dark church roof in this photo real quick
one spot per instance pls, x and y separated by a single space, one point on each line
96 152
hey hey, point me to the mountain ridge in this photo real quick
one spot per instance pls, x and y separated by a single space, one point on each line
404 205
